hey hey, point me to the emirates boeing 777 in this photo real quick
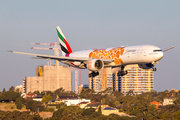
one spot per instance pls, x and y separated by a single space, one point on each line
146 56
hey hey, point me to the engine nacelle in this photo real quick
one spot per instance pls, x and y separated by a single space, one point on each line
146 66
95 65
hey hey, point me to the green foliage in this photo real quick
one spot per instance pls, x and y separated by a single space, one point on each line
9 96
46 98
58 106
20 99
19 102
73 112
177 101
34 106
95 115
87 93
111 104
59 91
37 117
19 105
58 113
66 118
11 88
16 115
4 90
131 93
49 109
88 111
138 105
37 107
99 110
29 104
36 92
177 115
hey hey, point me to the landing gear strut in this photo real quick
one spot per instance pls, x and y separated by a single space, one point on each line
122 72
93 74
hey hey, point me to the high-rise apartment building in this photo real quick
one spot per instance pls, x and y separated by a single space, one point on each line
139 80
49 78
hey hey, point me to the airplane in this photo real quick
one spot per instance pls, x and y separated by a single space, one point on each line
146 56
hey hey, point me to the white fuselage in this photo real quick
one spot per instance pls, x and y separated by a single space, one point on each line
141 54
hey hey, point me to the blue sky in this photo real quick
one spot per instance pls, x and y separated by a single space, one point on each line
86 25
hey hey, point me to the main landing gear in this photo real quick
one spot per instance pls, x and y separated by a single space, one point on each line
93 74
122 72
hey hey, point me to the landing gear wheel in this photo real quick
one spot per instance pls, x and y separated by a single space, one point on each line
122 73
126 72
154 69
93 74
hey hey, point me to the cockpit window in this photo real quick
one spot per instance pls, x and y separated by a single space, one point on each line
156 50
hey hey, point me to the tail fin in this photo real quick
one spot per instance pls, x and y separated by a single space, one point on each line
65 48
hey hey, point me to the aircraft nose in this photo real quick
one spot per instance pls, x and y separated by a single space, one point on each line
160 55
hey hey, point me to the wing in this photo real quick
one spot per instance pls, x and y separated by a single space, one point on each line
60 58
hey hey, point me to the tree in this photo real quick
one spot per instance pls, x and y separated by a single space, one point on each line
87 93
10 96
29 104
94 115
111 104
73 112
46 98
36 92
19 105
16 115
58 113
177 115
177 101
19 102
36 106
27 99
11 88
88 111
131 93
99 110
20 99
4 90
59 91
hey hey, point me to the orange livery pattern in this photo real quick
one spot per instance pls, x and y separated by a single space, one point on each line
114 53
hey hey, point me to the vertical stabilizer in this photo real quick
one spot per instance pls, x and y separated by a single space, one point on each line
65 48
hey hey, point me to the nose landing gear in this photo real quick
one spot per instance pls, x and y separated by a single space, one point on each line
154 69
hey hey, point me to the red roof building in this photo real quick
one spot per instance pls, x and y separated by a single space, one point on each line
158 104
31 95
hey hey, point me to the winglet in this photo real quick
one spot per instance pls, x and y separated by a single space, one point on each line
9 51
165 49
66 49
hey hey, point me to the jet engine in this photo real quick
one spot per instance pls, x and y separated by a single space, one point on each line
146 66
95 65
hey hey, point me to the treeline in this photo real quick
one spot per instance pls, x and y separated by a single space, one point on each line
76 113
135 105
16 115
138 105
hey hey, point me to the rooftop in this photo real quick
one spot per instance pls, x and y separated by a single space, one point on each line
83 102
109 108
67 97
